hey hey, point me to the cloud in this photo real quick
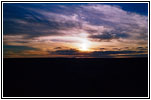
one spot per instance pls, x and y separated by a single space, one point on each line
37 22
58 48
135 55
18 48
114 21
65 52
142 48
47 26
118 23
109 36
114 54
97 54
16 51
102 48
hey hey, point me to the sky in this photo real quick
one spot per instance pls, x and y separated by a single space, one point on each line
75 30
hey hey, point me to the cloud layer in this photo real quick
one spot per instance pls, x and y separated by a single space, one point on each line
103 25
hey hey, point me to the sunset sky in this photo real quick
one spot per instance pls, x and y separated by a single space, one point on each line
75 30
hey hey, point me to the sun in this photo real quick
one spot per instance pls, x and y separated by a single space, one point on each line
84 47
84 43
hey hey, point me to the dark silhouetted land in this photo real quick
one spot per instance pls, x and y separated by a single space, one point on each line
60 77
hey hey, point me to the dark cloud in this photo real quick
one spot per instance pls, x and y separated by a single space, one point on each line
112 53
38 28
116 48
109 36
58 48
141 48
102 48
17 48
22 41
102 36
134 56
126 48
65 52
116 52
97 54
92 31
20 20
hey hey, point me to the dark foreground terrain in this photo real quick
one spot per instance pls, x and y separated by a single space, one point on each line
59 77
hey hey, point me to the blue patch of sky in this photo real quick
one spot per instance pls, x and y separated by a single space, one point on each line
140 8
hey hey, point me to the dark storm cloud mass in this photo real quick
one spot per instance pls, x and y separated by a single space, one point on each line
58 19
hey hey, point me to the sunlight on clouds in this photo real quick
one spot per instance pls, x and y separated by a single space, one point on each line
77 28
